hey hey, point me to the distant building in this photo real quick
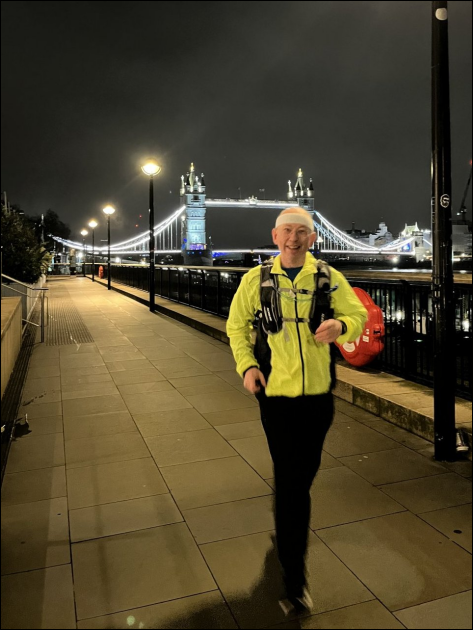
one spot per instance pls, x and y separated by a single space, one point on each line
461 237
381 237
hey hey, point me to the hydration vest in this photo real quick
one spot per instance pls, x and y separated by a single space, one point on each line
270 315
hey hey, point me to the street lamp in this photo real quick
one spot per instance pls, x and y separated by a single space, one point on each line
443 300
151 168
84 255
93 224
108 210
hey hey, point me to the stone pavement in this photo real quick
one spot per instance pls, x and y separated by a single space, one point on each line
142 496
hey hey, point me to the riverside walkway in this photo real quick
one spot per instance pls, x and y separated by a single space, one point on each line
142 498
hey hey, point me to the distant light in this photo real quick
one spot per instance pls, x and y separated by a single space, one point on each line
395 268
93 224
463 271
466 325
84 232
399 315
151 167
109 210
136 224
117 260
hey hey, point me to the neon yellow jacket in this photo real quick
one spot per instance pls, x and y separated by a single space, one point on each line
299 365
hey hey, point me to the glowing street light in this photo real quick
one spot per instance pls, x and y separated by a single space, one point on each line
93 224
84 234
108 210
151 168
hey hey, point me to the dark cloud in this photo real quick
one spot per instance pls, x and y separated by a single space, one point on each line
249 91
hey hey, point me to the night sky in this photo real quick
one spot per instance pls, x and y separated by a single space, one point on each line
248 91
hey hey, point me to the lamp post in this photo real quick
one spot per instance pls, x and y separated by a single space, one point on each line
151 168
84 256
442 268
93 224
108 210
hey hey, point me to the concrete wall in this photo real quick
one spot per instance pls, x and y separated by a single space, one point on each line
11 336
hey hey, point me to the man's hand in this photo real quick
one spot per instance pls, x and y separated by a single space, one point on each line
328 331
254 380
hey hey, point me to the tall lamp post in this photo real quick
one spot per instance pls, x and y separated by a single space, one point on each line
442 268
151 168
93 224
84 255
108 210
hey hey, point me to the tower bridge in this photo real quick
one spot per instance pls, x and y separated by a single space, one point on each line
184 231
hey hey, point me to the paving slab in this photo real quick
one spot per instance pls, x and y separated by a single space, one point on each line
370 615
34 485
116 481
137 569
123 516
35 535
50 599
449 612
206 611
117 447
454 522
253 586
216 481
401 559
191 446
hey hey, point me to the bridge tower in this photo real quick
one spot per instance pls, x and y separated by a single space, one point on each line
302 195
193 233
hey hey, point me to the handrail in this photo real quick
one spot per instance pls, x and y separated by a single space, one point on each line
32 323
16 291
23 284
43 296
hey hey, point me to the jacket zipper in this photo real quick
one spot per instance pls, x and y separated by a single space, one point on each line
300 343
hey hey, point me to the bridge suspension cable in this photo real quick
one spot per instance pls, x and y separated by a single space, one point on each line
167 233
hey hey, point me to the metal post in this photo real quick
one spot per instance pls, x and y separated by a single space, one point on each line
409 344
42 316
85 256
109 279
442 268
152 307
93 254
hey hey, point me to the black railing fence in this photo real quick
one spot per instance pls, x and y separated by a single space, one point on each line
407 308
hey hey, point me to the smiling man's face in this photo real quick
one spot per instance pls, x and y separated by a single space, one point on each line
294 241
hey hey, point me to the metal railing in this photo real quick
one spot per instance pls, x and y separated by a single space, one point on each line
29 298
406 305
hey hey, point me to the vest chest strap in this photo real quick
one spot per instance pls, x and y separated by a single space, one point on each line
296 320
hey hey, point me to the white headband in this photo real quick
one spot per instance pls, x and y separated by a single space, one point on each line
295 217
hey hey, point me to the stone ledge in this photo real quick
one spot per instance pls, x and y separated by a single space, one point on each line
403 403
11 337
10 305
